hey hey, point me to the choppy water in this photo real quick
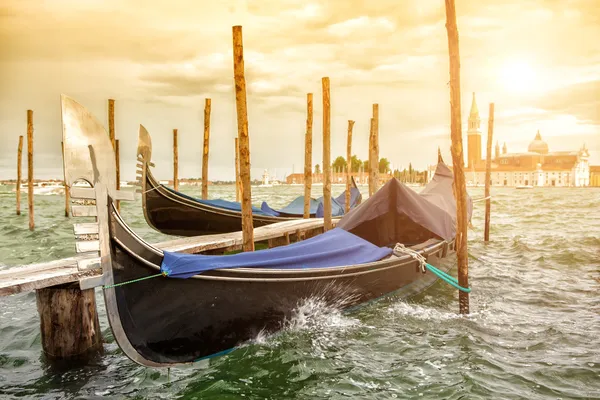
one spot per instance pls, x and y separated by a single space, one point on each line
534 331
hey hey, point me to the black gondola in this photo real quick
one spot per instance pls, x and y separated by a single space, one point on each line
167 321
175 213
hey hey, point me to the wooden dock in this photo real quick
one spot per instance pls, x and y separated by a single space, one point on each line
42 275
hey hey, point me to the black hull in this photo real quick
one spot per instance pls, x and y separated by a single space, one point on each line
173 214
167 321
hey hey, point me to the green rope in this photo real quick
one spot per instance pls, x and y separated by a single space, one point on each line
134 280
449 279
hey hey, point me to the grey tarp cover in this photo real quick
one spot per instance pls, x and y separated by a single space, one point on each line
396 213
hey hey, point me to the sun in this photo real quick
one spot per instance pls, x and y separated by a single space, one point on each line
518 76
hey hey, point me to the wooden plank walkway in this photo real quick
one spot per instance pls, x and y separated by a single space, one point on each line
37 276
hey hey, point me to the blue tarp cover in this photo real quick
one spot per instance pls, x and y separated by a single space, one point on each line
296 207
333 248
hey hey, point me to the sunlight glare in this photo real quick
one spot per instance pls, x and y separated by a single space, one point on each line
518 76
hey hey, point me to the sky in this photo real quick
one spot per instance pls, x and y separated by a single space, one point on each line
537 60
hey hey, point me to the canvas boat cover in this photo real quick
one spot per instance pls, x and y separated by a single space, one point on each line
394 214
333 248
397 214
294 209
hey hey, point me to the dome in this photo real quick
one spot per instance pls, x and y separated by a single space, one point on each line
538 145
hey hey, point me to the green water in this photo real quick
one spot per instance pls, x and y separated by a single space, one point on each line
534 331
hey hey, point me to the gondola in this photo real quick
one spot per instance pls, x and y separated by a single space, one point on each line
168 309
175 213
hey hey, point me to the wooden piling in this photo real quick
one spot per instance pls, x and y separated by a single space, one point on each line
19 178
175 161
30 168
488 174
238 193
326 154
308 155
458 157
371 163
111 121
68 322
205 149
244 139
349 164
376 147
118 177
67 192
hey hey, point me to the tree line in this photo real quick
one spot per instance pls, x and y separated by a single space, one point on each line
406 175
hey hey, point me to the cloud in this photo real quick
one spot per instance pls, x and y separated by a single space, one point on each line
581 100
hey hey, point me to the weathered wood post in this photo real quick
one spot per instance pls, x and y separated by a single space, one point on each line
326 155
175 161
118 172
376 147
238 192
30 168
67 192
371 163
488 174
205 149
349 164
308 155
19 162
244 139
458 157
68 323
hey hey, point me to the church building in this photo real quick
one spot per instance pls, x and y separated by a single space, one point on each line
536 167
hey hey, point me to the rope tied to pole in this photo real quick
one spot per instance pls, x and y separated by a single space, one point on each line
164 273
400 249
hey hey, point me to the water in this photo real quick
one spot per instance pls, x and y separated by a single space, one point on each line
534 331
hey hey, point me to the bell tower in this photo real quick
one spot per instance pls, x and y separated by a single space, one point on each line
474 135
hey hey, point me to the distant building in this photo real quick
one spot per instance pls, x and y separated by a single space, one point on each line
595 175
536 167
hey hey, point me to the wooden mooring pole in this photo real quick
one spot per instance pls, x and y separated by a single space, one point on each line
118 172
371 163
205 149
67 192
458 157
244 139
488 174
376 147
175 162
115 145
238 194
308 155
30 168
68 323
349 164
326 155
19 178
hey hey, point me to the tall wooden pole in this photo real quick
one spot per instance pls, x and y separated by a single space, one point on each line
67 192
30 167
244 139
111 121
376 146
308 155
205 149
19 162
349 164
326 154
238 193
488 173
175 161
371 169
458 162
118 163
